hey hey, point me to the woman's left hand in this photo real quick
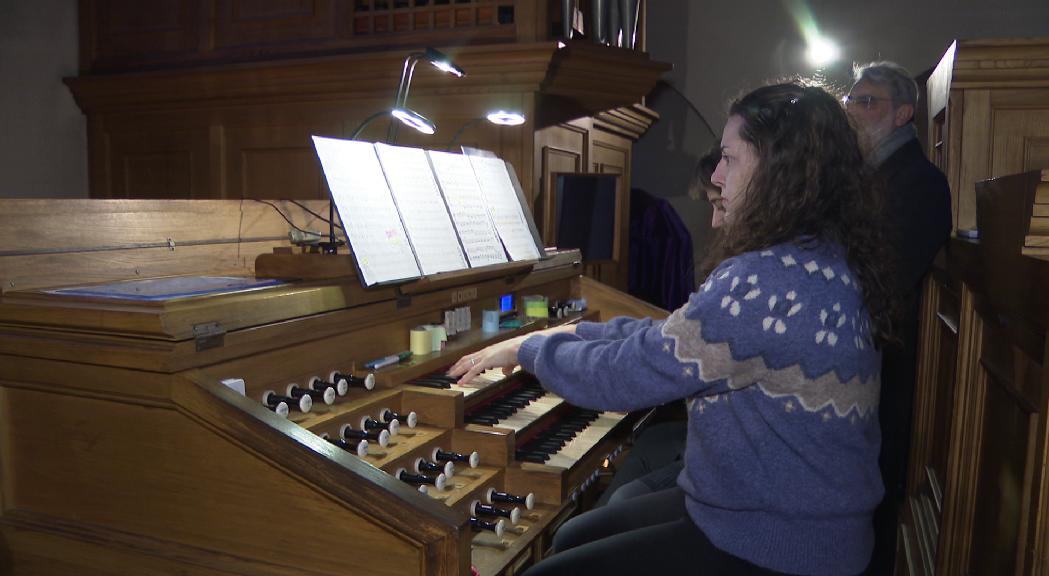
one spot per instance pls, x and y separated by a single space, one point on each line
502 355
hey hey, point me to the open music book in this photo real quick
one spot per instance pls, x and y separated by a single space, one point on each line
409 212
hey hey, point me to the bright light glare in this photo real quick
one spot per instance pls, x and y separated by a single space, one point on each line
506 118
822 51
414 119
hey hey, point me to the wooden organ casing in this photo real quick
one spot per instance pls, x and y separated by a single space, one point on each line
977 491
123 453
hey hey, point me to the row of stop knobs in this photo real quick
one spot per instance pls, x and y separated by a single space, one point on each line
317 390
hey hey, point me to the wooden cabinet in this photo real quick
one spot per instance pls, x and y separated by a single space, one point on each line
988 110
978 492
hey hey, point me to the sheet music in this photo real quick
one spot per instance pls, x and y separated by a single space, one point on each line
362 197
507 214
422 208
468 208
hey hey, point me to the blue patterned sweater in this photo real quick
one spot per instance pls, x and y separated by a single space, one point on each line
774 355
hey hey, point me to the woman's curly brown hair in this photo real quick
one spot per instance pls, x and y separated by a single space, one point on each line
811 184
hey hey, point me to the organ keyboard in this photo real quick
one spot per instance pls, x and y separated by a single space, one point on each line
122 448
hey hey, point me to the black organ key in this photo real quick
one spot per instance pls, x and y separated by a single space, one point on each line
473 459
434 380
369 423
327 395
494 496
387 415
530 456
271 399
551 440
430 383
340 386
359 448
479 509
503 407
380 436
423 465
437 482
499 526
365 382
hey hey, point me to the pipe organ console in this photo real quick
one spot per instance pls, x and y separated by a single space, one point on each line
123 452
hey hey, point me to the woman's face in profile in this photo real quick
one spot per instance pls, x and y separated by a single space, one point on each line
734 171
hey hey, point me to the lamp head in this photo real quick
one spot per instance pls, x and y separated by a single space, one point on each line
442 62
414 119
506 117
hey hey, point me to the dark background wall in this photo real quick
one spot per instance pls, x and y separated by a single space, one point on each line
43 135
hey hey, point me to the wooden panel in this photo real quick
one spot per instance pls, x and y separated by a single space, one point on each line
975 160
33 553
934 406
1002 497
1021 139
114 465
159 165
966 433
268 22
563 148
128 32
275 162
50 243
610 154
611 302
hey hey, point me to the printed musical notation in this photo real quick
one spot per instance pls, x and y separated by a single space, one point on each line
422 209
468 209
505 208
367 210
411 212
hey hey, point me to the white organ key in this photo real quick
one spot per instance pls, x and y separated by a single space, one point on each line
576 449
482 381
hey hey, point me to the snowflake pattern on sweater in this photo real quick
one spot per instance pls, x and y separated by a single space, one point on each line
759 326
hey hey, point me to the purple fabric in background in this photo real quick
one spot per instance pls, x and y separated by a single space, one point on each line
662 270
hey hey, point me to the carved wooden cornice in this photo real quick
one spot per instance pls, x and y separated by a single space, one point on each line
596 78
1012 62
628 121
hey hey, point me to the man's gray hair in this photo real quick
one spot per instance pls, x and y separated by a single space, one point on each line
904 88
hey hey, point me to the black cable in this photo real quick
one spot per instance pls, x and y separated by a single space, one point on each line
702 118
315 215
290 223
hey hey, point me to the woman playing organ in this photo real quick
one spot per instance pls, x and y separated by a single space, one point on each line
777 354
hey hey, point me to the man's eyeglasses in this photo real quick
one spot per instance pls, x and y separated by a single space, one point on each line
866 101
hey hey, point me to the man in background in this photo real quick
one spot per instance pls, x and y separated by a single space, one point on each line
881 104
